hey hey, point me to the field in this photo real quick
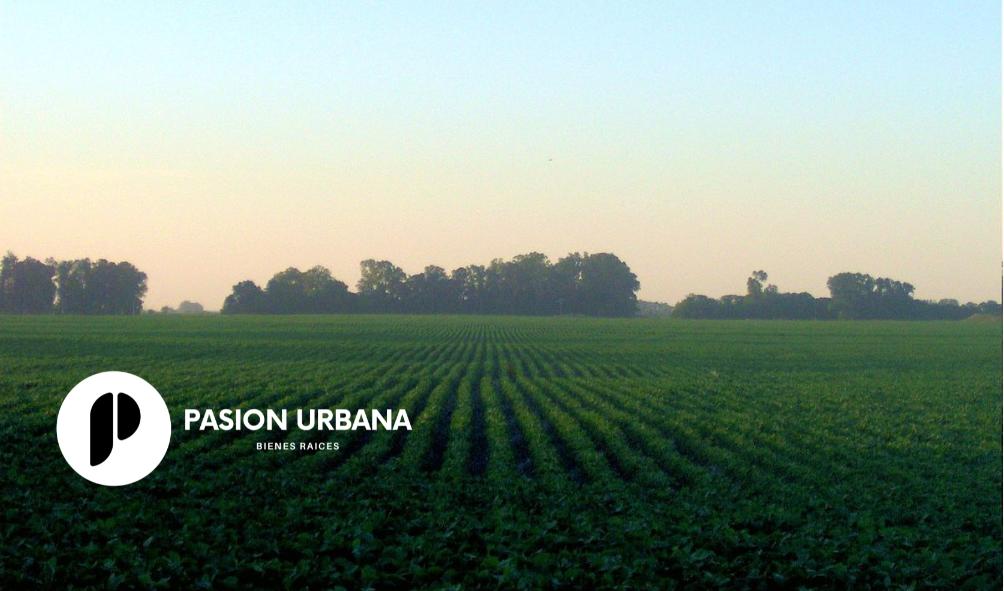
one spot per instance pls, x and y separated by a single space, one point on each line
546 453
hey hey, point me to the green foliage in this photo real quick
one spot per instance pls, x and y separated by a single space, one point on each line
853 296
26 285
80 286
598 284
546 453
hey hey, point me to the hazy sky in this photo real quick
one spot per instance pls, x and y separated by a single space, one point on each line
698 141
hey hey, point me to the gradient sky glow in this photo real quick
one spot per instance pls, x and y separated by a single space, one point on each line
698 141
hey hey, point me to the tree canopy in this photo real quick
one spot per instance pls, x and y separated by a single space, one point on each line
80 286
852 296
26 286
529 284
598 284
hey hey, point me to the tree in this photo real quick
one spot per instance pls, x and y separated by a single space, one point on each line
607 286
285 292
313 291
381 286
754 285
654 309
130 289
98 287
72 295
523 285
245 298
858 295
853 296
187 307
760 302
990 307
26 286
470 287
324 293
697 306
7 281
115 288
599 285
292 291
566 284
431 292
850 294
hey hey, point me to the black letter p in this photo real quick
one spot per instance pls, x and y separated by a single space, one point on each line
102 436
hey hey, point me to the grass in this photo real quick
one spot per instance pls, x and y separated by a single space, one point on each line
559 452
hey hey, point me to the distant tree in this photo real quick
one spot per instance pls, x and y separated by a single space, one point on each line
945 309
754 285
697 306
286 292
525 283
325 294
858 295
737 306
760 302
607 286
245 298
853 296
382 286
187 307
26 286
431 292
313 291
292 291
894 298
167 310
470 286
654 309
599 285
566 284
72 295
519 286
990 307
791 306
79 286
822 309
83 286
496 298
115 288
7 265
850 294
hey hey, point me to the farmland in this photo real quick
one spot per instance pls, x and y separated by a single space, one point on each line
556 452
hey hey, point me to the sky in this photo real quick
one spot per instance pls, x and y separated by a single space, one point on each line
209 143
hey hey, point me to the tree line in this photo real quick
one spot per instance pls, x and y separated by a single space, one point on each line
81 286
856 296
598 284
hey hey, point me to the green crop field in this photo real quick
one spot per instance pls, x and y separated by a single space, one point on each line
546 453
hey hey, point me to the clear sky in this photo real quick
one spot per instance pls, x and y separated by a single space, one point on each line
213 142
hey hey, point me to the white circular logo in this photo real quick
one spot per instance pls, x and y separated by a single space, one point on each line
113 428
